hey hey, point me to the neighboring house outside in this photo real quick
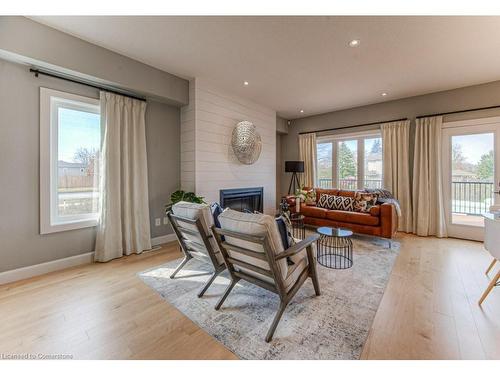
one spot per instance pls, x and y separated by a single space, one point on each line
373 166
65 168
459 175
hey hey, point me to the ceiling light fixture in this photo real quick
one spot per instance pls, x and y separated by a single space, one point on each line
245 83
354 43
301 111
384 94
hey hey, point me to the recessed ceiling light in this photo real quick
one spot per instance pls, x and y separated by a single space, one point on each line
384 94
301 111
245 83
354 43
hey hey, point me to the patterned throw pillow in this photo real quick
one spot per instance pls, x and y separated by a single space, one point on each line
364 201
311 198
336 202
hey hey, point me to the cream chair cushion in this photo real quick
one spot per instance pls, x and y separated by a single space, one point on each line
257 225
194 211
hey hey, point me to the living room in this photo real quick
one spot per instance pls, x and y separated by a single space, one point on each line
273 187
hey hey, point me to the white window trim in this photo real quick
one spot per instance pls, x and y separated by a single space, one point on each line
354 136
48 148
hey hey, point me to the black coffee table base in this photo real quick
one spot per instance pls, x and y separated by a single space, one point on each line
334 252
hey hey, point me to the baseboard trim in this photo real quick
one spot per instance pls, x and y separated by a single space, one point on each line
43 268
163 239
60 264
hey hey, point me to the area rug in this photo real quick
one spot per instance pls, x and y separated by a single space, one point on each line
334 325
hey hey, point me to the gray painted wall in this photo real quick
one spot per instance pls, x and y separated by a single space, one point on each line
20 242
445 101
164 165
281 125
27 41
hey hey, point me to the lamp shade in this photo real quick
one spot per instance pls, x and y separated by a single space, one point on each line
294 166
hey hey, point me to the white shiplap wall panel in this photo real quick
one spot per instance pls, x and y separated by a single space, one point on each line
212 114
188 154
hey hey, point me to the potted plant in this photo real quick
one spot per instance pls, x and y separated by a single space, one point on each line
181 195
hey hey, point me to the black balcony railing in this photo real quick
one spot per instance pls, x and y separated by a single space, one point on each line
349 184
472 198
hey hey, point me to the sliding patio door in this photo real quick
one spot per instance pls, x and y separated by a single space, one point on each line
471 161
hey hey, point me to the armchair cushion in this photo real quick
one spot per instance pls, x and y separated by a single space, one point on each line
300 263
194 211
256 225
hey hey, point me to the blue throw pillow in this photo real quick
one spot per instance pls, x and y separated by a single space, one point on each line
216 210
280 222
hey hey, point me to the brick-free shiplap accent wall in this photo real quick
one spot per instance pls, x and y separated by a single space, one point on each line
208 163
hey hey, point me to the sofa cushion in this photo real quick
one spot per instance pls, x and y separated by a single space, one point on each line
364 201
352 217
374 210
312 211
342 193
336 202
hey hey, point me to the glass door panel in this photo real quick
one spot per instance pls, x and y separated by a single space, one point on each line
347 168
325 161
472 177
373 163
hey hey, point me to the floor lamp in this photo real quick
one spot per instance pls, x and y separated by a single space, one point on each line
294 167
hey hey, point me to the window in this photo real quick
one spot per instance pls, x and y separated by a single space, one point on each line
70 144
350 161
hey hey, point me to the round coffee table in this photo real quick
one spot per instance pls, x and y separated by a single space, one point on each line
334 249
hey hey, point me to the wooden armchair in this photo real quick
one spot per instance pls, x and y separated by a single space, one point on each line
191 223
253 251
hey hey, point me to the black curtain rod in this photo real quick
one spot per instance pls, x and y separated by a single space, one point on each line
462 111
353 126
37 72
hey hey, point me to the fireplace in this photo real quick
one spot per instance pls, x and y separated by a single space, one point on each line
244 199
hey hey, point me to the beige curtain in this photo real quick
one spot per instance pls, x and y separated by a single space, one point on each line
396 168
124 226
307 153
428 202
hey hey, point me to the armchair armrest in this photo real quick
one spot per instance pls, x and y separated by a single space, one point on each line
298 247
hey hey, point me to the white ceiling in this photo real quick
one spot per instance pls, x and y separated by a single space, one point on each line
305 62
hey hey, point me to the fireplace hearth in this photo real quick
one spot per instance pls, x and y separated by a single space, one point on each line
244 199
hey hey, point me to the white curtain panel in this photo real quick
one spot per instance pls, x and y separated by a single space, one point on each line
307 153
428 202
124 226
396 168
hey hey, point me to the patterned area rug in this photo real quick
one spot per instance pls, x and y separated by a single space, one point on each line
332 326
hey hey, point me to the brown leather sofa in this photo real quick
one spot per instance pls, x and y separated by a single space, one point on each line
381 220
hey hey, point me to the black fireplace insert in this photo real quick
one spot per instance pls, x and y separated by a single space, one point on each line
243 199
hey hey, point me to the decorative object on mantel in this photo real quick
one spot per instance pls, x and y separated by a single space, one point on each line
294 167
246 142
332 326
185 196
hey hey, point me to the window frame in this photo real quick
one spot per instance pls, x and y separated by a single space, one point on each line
360 137
48 159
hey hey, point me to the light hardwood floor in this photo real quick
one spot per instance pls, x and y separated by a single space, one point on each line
429 310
